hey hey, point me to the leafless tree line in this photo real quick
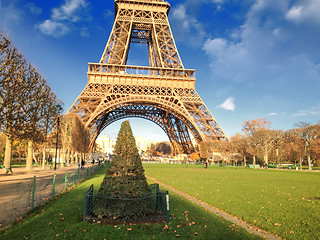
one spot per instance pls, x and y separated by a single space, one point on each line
75 139
259 141
28 107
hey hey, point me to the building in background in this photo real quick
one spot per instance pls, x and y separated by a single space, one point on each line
143 144
105 144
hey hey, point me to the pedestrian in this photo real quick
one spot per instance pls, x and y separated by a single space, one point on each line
82 163
9 169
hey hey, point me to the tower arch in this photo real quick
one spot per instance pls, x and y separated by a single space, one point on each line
163 113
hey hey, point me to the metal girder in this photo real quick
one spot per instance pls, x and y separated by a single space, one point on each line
175 129
163 93
140 25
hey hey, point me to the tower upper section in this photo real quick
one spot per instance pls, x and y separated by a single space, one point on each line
145 22
149 5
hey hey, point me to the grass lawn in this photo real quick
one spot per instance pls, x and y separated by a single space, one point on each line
61 219
286 203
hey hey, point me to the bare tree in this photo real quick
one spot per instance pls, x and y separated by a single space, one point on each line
12 70
293 145
25 101
163 147
309 134
254 129
241 145
277 140
52 108
75 136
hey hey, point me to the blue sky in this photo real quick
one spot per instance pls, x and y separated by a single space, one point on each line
253 58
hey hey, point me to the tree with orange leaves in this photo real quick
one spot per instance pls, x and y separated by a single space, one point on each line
256 131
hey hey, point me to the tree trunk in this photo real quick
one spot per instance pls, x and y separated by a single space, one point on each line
309 162
300 163
29 166
245 161
8 153
34 158
44 158
80 158
277 156
72 157
19 155
266 160
254 160
69 157
76 157
64 157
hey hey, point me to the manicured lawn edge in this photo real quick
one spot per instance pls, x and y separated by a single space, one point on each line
61 218
283 202
250 228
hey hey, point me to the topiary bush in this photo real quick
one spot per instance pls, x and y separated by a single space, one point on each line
124 193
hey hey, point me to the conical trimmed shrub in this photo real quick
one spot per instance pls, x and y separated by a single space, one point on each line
124 193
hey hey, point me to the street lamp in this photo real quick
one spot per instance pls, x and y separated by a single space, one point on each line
55 159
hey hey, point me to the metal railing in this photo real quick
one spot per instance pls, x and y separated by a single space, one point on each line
155 206
33 192
98 68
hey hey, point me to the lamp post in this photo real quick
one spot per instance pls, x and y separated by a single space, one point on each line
55 159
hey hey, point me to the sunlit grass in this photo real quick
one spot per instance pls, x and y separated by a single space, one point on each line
286 203
61 219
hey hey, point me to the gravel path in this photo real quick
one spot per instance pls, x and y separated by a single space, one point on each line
15 190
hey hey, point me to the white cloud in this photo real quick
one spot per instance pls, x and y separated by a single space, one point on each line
306 11
269 55
69 10
312 111
64 18
299 114
53 28
218 3
33 8
107 13
228 104
186 27
276 114
9 13
84 32
294 13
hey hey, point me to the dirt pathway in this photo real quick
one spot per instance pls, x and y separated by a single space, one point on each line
250 228
15 190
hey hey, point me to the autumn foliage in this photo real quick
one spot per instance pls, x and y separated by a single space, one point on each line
28 107
259 144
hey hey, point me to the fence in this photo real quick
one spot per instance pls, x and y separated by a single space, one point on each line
152 207
26 195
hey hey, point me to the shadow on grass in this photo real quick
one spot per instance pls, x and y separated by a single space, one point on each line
62 218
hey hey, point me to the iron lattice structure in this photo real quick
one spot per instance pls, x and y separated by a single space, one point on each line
163 92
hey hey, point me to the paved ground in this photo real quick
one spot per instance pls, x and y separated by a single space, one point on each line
250 228
15 190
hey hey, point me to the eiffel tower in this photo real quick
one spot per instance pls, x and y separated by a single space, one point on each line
163 92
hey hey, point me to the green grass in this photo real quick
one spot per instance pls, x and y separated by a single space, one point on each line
286 203
61 219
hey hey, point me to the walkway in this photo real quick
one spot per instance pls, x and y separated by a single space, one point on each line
250 228
15 190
